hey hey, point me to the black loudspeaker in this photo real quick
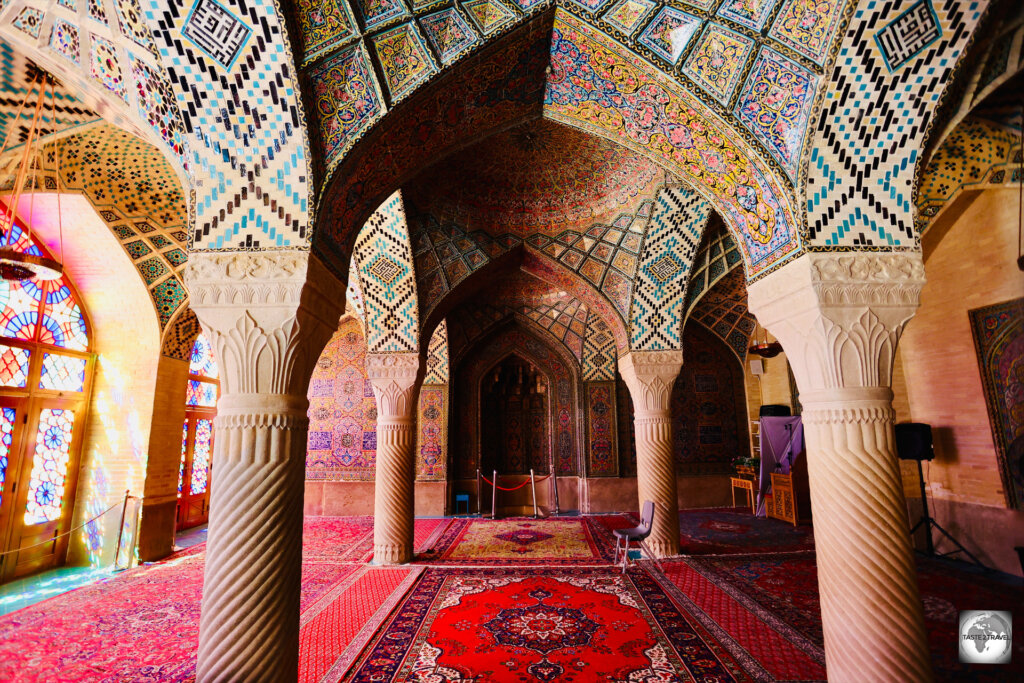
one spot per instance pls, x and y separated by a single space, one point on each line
775 410
914 441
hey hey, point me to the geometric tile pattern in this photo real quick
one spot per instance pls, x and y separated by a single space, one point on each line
325 25
599 353
387 280
489 15
64 40
976 155
449 33
216 31
30 21
669 33
404 58
380 13
445 255
347 100
723 311
245 126
628 15
565 319
859 187
909 33
437 356
717 62
673 236
105 67
605 255
775 105
808 26
717 256
180 335
750 13
751 197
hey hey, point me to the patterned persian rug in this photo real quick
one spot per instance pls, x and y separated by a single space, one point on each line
551 624
522 541
782 593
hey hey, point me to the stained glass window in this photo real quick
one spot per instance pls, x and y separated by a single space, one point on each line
201 455
62 373
13 366
203 394
203 362
6 434
49 465
43 311
184 448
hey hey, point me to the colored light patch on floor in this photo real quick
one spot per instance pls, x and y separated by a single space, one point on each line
521 541
532 624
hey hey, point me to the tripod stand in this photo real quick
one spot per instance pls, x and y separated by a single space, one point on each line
929 522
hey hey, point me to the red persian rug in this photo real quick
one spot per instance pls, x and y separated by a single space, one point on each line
143 625
725 531
521 541
553 624
783 592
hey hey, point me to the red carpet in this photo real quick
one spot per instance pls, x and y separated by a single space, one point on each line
727 531
531 624
521 541
752 594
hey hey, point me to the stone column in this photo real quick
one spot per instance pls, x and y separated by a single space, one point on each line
396 379
839 317
650 376
268 316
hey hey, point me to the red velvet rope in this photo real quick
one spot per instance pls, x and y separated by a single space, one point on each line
502 488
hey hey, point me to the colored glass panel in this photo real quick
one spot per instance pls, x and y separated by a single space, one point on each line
6 435
202 362
184 449
13 366
201 456
62 373
203 394
62 323
49 465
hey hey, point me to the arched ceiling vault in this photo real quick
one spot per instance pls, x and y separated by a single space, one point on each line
717 96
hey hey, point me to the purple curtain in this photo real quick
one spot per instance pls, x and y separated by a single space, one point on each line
782 440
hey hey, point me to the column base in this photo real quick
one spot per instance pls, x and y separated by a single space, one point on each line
391 554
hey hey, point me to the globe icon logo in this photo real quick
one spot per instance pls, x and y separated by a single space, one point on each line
986 637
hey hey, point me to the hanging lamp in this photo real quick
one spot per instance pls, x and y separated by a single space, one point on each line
15 264
765 348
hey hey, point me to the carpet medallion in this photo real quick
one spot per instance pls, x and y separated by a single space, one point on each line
564 541
530 624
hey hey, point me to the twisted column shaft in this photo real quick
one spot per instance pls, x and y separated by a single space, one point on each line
250 609
871 609
396 381
839 318
650 376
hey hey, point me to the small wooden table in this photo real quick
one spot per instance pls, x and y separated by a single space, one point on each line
748 486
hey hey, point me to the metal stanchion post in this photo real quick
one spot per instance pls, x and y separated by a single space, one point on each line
494 496
533 487
479 495
120 529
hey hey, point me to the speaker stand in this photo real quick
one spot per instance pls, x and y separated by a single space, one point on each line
929 522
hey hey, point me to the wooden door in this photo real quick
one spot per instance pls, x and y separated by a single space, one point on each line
195 469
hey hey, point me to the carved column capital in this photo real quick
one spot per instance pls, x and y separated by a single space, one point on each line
268 315
839 316
396 381
650 376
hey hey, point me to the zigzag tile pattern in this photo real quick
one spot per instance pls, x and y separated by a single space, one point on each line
387 280
437 356
245 125
860 180
599 353
670 246
718 255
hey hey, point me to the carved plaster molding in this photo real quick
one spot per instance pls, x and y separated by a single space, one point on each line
395 378
650 376
839 316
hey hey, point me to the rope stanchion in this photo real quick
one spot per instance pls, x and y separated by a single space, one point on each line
70 531
502 488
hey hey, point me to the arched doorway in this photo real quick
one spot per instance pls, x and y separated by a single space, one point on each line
514 418
46 373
